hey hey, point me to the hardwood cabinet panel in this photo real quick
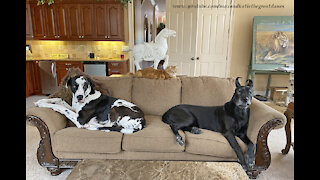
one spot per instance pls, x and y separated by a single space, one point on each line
61 21
118 68
115 21
74 21
87 21
100 21
38 22
29 31
33 82
63 67
51 29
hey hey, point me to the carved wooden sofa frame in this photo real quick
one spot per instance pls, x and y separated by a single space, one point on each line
47 159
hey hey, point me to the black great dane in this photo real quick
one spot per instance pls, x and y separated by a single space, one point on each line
230 120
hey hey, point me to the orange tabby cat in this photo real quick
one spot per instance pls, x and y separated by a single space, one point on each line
152 73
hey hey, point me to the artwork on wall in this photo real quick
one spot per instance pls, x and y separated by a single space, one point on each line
273 42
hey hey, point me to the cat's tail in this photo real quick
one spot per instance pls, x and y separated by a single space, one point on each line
138 74
129 74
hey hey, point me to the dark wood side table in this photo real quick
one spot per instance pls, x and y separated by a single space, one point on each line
289 113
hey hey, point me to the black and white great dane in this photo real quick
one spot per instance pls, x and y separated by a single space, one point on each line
94 111
230 120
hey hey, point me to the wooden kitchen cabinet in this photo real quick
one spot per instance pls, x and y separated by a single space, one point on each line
118 67
29 31
109 21
114 21
85 20
33 81
38 21
62 68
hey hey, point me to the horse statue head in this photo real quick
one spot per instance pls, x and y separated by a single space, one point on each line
165 33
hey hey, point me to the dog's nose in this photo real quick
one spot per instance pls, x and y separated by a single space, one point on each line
80 97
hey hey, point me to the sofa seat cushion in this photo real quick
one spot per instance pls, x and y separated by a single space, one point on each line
211 143
73 139
155 137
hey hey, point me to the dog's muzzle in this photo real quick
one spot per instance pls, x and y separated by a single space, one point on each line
80 98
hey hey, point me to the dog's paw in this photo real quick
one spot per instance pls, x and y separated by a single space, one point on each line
250 160
40 102
179 140
195 130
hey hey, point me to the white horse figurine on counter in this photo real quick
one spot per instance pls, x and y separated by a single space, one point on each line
153 51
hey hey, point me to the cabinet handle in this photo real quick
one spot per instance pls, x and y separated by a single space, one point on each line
198 58
192 58
106 37
79 36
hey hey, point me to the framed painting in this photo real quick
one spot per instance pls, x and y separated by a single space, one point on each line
273 42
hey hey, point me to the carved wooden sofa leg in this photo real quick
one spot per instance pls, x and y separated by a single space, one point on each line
263 156
45 155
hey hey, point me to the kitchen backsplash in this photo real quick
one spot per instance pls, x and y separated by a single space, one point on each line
77 49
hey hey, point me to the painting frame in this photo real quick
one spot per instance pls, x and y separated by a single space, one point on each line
267 51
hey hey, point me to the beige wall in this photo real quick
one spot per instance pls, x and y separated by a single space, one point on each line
242 39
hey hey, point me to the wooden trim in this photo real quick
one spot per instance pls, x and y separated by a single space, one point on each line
45 155
263 156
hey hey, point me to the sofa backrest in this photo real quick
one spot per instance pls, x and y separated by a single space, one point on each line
118 87
156 96
206 91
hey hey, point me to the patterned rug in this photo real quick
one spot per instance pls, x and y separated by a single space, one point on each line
156 170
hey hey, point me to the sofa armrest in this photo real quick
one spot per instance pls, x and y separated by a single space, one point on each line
52 119
260 115
47 122
262 120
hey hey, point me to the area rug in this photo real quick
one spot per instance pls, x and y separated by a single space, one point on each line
156 170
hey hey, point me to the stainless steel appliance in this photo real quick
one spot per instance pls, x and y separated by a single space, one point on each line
95 68
48 77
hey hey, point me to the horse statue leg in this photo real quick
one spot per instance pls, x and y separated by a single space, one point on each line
137 63
156 63
166 62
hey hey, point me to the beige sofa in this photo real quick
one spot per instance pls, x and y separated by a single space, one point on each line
62 146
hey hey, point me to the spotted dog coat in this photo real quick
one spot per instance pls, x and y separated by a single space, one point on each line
95 111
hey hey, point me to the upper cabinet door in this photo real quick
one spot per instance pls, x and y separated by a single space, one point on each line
49 16
61 21
74 21
100 24
115 21
29 33
87 21
38 21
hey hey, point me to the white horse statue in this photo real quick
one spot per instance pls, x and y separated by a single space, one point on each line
153 51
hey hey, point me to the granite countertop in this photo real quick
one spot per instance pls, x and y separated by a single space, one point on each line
77 59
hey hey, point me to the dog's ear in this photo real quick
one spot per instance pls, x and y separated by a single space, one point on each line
249 83
68 83
237 82
92 85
